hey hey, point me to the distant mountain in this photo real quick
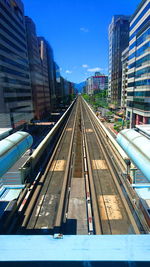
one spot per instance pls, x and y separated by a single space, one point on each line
79 86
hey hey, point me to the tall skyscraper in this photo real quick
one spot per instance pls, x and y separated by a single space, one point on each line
51 73
124 59
50 65
138 91
89 83
15 86
45 71
118 41
58 87
38 73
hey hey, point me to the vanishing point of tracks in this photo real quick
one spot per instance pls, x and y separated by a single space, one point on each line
79 192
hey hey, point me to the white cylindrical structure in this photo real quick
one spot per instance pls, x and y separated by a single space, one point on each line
12 148
137 147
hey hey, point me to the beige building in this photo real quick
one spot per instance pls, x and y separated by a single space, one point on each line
124 60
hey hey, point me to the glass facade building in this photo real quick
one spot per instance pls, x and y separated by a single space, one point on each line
51 74
45 72
58 87
38 71
118 41
15 87
138 91
49 70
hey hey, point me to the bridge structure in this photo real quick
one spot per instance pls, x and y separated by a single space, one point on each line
79 202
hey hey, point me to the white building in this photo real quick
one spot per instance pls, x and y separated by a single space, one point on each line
124 60
96 83
138 91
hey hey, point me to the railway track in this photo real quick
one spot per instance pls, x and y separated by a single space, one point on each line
43 211
79 192
113 215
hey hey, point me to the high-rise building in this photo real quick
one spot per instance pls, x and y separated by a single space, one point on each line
66 87
49 68
138 91
124 60
118 41
89 90
39 80
71 88
58 85
96 83
51 74
15 86
45 72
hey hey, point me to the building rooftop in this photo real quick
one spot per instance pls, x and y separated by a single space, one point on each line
4 132
115 18
145 129
143 192
9 193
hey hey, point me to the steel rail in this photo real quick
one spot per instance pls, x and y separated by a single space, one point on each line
118 152
132 197
43 177
60 211
114 174
90 219
36 154
98 227
69 180
85 175
101 190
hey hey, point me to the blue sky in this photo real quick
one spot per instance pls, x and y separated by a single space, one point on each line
78 31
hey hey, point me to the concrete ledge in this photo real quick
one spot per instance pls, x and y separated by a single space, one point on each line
129 248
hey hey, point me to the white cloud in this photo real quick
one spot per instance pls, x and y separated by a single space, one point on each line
68 71
85 66
82 29
95 69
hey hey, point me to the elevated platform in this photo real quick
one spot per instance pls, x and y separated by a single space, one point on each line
77 250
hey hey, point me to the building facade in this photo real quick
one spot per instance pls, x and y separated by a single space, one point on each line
89 90
118 41
71 88
58 86
39 83
124 60
96 83
45 73
15 86
138 91
51 74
